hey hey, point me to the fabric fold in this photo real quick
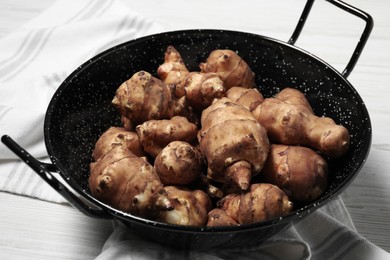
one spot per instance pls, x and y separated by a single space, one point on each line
326 234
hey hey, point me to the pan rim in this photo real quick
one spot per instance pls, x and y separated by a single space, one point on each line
296 214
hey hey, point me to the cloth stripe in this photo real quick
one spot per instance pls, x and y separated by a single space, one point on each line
42 36
36 46
83 28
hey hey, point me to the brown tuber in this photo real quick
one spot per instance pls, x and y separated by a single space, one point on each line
190 207
233 70
179 163
202 88
115 136
173 71
299 171
128 183
144 97
217 217
156 134
262 201
293 123
234 143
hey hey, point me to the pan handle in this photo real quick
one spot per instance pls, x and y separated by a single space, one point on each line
44 170
350 9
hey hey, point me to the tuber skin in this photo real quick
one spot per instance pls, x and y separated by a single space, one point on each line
247 97
299 171
234 144
233 70
262 201
128 183
202 88
144 97
294 124
115 136
294 97
156 134
173 71
217 218
179 163
190 207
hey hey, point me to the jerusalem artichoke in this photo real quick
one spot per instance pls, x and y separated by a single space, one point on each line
190 207
218 217
294 124
202 88
173 71
234 143
262 201
233 70
144 97
299 171
115 136
179 163
156 134
128 183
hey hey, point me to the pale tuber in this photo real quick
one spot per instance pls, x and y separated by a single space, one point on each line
217 217
190 207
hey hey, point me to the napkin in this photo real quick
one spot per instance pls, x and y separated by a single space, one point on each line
327 233
35 59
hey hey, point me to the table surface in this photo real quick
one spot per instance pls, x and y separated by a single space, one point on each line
35 229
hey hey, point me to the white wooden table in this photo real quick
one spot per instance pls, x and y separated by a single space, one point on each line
34 229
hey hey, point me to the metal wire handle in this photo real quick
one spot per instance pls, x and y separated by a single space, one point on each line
350 9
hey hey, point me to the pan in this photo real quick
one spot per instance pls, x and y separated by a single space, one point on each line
80 111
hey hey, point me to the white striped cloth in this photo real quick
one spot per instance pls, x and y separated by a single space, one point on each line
326 234
35 59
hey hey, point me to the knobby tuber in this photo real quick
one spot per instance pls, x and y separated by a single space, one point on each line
234 144
295 124
299 171
190 207
202 88
115 136
144 97
173 71
233 70
156 134
262 201
179 163
128 183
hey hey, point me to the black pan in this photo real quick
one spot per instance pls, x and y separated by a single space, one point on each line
80 111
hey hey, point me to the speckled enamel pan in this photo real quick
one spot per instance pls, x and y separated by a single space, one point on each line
80 111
